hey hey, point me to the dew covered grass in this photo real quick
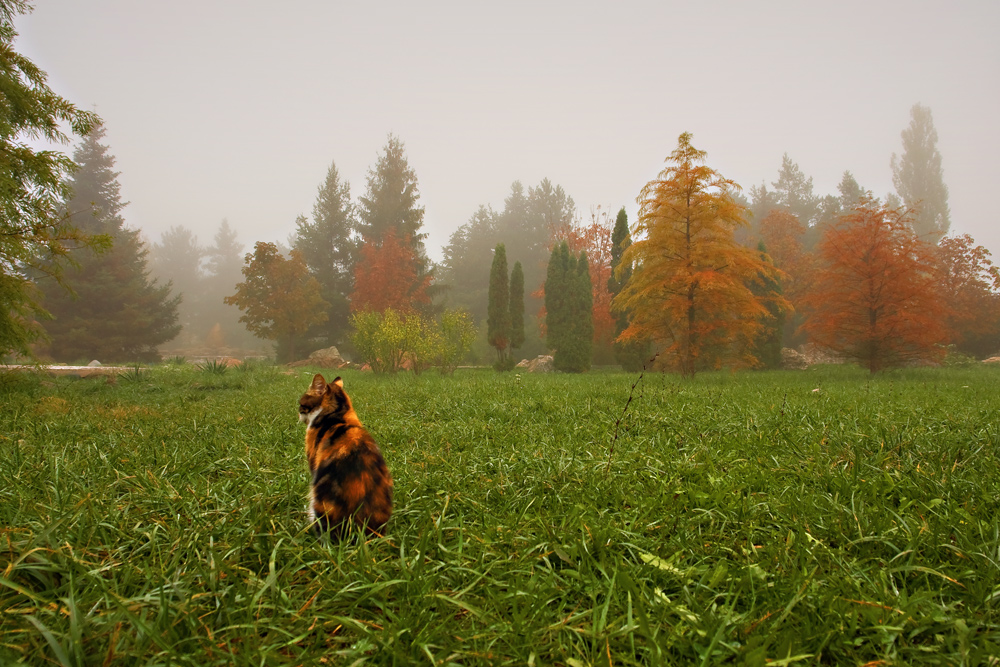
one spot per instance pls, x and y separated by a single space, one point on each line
743 519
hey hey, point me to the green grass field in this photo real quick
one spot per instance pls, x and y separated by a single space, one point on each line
740 519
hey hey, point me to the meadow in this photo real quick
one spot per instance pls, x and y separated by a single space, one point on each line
819 517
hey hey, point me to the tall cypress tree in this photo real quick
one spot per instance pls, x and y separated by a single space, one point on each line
118 314
516 307
569 310
498 325
555 296
576 355
630 355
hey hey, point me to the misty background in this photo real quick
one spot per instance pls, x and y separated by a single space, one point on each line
231 110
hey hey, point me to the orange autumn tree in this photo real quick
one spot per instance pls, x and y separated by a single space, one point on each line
971 287
690 292
279 298
875 296
387 277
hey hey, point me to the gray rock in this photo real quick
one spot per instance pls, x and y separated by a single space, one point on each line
543 363
793 360
94 364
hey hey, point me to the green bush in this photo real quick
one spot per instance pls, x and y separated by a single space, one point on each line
391 341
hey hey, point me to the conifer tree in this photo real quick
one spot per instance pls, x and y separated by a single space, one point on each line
516 307
556 296
118 313
569 310
630 354
223 270
330 249
919 179
575 355
35 235
498 322
390 202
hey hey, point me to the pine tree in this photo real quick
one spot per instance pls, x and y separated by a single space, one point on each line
223 266
498 322
119 313
516 307
390 202
177 259
919 179
330 249
35 235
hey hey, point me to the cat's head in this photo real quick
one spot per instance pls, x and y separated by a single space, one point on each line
324 397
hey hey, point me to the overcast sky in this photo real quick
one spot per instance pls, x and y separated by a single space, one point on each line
236 109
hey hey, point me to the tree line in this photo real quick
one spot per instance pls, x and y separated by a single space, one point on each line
705 277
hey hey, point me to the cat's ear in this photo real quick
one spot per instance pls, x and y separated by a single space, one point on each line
339 382
318 385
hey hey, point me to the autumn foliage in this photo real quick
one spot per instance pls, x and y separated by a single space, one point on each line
279 299
387 276
970 284
690 289
876 297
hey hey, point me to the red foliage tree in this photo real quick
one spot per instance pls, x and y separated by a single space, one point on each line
875 297
388 276
971 287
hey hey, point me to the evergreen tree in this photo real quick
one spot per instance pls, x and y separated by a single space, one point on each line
498 322
919 179
767 347
224 265
516 307
575 356
630 354
330 250
177 259
569 310
390 202
119 313
851 194
35 235
794 191
461 273
556 296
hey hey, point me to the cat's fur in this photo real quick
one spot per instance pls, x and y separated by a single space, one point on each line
350 479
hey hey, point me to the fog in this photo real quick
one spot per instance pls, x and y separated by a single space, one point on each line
235 110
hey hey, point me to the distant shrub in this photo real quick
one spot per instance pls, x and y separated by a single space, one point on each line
213 367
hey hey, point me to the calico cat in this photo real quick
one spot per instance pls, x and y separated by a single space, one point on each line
349 477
